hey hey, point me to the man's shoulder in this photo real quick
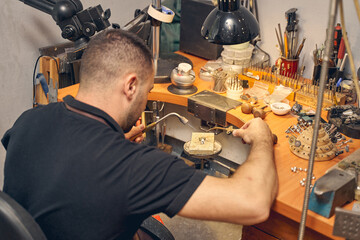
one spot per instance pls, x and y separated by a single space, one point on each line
39 110
34 115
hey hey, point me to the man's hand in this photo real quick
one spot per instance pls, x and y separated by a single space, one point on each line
136 131
254 131
246 197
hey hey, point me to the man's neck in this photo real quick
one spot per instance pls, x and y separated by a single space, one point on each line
103 103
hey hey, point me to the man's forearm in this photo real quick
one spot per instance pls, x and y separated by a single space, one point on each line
259 170
247 196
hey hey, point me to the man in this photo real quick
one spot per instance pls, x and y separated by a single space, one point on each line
70 165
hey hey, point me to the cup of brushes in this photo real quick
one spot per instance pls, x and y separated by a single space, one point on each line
289 50
288 67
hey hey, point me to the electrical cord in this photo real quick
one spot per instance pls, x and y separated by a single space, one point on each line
146 18
144 21
267 55
34 90
162 107
262 50
137 21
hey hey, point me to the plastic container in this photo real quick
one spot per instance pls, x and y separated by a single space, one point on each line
236 61
235 56
231 51
280 108
240 46
233 68
234 94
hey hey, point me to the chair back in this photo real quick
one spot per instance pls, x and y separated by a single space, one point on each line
16 223
155 229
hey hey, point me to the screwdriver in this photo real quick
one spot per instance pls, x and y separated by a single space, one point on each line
337 38
341 53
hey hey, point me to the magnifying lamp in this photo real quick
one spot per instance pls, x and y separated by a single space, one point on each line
76 24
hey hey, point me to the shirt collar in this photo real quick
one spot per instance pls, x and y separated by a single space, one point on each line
71 101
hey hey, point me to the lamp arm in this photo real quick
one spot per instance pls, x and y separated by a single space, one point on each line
76 24
42 5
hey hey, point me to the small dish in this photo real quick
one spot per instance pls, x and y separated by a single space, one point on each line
280 108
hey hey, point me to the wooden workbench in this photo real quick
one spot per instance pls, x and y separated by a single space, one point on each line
286 211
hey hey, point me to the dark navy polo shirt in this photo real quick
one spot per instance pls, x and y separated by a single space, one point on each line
81 179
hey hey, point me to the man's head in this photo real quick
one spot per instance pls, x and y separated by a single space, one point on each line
112 54
117 67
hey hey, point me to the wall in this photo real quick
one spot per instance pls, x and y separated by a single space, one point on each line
24 30
313 19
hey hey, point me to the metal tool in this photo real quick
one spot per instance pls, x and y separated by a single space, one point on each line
182 119
53 91
291 30
323 75
300 48
332 190
182 79
337 37
347 223
235 83
346 119
211 107
230 129
281 40
301 140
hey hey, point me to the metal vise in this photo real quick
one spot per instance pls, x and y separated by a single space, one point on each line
332 190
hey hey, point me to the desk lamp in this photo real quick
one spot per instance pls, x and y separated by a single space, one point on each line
230 24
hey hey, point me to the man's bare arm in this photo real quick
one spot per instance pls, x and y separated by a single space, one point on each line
247 196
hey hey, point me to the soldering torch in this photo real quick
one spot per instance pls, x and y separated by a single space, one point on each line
150 126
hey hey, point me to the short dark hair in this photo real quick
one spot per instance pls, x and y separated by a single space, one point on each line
113 53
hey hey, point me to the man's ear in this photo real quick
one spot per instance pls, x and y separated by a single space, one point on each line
130 85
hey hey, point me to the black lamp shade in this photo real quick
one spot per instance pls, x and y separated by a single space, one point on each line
229 24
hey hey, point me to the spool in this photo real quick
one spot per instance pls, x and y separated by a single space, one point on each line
166 15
